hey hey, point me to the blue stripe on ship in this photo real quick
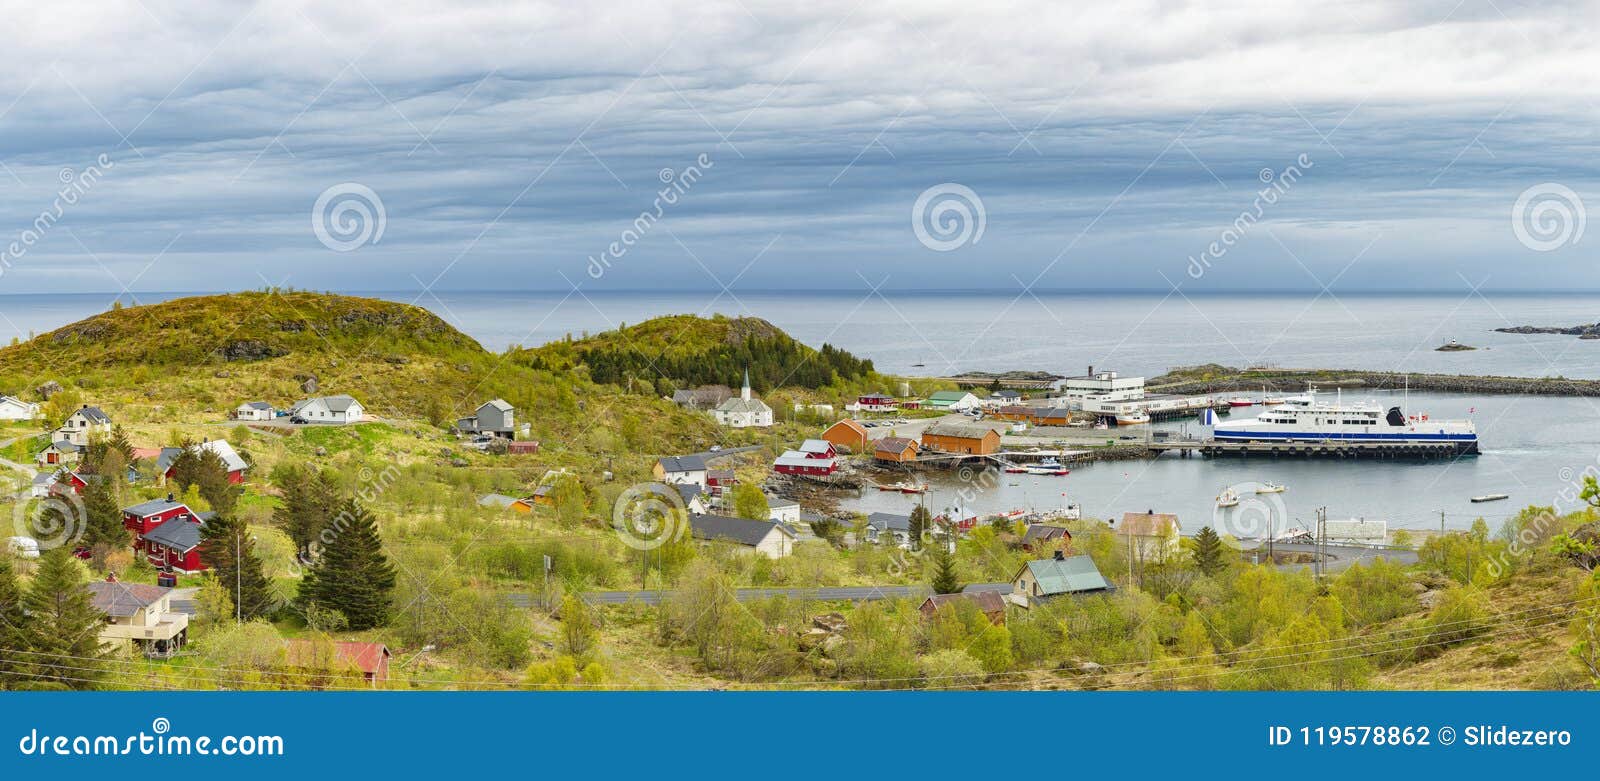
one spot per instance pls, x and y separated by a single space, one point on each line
1313 437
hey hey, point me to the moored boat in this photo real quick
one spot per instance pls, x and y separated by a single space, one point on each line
1490 498
1306 419
1228 498
1133 418
1271 488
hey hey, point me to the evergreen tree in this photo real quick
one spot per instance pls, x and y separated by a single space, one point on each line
211 477
921 521
945 580
351 574
118 442
229 551
63 629
306 508
185 466
13 622
102 514
1209 553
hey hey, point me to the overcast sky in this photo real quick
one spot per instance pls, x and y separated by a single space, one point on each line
1111 145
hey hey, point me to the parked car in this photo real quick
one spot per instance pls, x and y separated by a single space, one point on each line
297 420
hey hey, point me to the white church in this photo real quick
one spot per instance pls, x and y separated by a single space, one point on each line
744 411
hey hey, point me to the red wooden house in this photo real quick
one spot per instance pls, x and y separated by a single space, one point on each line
876 402
69 481
818 448
231 460
719 480
795 462
175 545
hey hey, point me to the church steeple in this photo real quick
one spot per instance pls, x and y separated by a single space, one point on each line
744 393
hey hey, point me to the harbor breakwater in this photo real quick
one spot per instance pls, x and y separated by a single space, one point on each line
1215 379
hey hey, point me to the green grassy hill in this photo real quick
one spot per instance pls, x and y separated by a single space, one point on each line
688 351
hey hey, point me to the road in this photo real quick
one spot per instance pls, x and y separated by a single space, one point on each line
1340 557
823 594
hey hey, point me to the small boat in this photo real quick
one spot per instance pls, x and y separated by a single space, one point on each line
1134 418
1016 470
1241 401
1271 488
1052 471
1490 498
909 488
1228 498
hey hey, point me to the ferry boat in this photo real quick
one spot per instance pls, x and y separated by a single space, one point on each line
1132 418
1305 419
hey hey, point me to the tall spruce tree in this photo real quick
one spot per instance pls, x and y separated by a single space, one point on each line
1208 551
921 521
185 466
14 648
211 477
102 522
351 574
945 580
229 551
63 628
306 508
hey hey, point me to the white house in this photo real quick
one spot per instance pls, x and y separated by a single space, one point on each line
82 423
1151 536
13 408
141 615
254 410
328 409
768 538
744 411
681 470
785 511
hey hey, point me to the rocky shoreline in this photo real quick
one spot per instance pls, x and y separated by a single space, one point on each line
1213 378
1590 331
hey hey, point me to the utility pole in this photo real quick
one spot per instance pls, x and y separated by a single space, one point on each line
1322 542
1444 550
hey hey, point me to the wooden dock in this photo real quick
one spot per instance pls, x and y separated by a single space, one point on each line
1309 449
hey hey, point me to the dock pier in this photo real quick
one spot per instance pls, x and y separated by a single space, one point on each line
1312 449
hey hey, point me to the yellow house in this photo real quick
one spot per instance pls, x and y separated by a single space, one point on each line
140 614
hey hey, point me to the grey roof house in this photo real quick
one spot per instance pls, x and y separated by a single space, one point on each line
1060 574
496 417
770 538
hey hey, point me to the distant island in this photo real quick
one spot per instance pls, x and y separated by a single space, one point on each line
1454 346
1588 331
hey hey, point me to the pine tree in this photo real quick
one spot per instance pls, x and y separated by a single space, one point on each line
228 550
945 580
1208 551
102 514
185 466
211 477
119 443
921 521
63 628
306 508
13 622
351 573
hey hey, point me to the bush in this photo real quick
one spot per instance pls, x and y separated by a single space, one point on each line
951 667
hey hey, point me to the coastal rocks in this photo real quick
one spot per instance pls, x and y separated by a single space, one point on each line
1453 346
1586 553
1585 331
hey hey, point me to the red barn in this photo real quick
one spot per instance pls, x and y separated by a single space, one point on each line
795 462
